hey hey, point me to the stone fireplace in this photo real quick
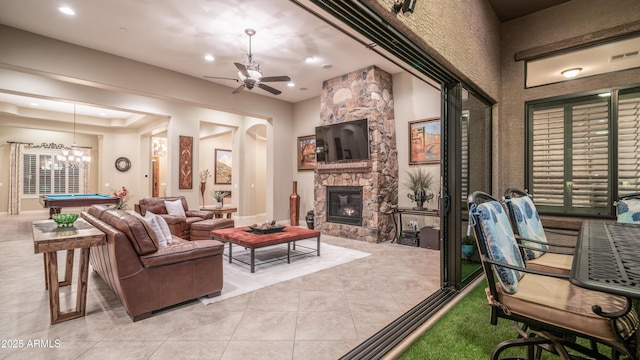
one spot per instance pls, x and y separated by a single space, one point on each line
344 205
366 93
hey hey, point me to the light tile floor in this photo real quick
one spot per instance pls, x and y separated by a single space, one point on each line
319 316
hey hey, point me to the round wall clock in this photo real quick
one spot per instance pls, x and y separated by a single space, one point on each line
123 164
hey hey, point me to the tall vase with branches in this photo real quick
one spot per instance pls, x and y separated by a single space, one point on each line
204 176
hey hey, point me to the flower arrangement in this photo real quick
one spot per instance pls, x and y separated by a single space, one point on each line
122 195
204 175
219 195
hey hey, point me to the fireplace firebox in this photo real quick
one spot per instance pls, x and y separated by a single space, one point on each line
344 205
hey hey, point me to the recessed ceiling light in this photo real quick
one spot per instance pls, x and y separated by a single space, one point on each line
102 113
571 73
310 59
33 104
327 66
209 57
66 10
291 84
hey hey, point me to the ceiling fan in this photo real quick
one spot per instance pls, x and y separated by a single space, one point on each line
250 75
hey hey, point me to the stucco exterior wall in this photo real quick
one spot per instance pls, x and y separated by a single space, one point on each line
569 20
463 34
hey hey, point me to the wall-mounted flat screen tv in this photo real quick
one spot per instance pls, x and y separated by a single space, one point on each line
345 141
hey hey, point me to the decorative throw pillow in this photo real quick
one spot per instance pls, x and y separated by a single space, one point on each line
164 227
529 225
162 242
629 211
501 244
175 208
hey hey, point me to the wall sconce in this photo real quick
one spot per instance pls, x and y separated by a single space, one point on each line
406 6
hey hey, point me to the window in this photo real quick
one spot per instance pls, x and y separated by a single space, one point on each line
43 174
572 159
629 142
464 172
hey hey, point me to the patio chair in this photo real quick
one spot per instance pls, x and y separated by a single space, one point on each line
628 208
548 312
531 236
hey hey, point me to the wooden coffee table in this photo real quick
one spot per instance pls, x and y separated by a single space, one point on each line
244 237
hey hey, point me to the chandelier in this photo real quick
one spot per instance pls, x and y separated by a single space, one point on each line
158 147
75 156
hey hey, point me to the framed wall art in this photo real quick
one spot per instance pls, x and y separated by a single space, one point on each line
306 152
424 141
222 174
185 178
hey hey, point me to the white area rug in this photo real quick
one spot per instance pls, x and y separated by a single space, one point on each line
239 280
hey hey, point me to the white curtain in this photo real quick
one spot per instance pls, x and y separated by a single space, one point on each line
15 177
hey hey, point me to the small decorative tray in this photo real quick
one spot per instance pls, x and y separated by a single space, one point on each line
277 228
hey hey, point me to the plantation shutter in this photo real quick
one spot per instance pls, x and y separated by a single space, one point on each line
44 175
59 179
73 185
590 154
464 176
29 174
548 156
629 144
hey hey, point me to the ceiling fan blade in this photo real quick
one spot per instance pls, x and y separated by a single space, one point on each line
220 78
275 78
242 69
238 89
269 89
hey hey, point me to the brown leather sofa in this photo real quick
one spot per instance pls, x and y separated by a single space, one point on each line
146 277
179 226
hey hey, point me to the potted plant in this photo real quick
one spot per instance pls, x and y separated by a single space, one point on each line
468 246
218 196
419 181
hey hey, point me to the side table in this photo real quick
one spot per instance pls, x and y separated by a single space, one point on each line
218 213
411 211
48 238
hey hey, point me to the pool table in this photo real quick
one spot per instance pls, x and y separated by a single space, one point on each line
56 202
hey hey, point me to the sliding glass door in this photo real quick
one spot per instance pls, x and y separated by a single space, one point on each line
466 167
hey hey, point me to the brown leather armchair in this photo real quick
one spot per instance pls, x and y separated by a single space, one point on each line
179 226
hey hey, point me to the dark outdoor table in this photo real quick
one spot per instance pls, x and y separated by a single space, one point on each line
607 258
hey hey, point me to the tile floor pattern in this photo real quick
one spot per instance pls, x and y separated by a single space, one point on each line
319 316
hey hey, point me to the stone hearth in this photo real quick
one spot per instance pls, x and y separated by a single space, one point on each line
366 93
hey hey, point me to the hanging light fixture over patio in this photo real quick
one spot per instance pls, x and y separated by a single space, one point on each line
75 156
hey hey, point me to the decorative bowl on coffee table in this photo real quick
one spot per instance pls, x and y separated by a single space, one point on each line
65 220
268 230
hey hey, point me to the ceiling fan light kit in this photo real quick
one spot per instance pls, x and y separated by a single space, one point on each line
249 73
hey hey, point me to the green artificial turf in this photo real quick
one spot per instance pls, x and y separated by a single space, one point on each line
469 267
465 333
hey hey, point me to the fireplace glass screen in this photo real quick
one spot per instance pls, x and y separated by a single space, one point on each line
344 205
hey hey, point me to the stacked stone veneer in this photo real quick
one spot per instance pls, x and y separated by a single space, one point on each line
366 93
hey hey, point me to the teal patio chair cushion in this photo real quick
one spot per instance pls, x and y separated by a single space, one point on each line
629 211
501 244
529 226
